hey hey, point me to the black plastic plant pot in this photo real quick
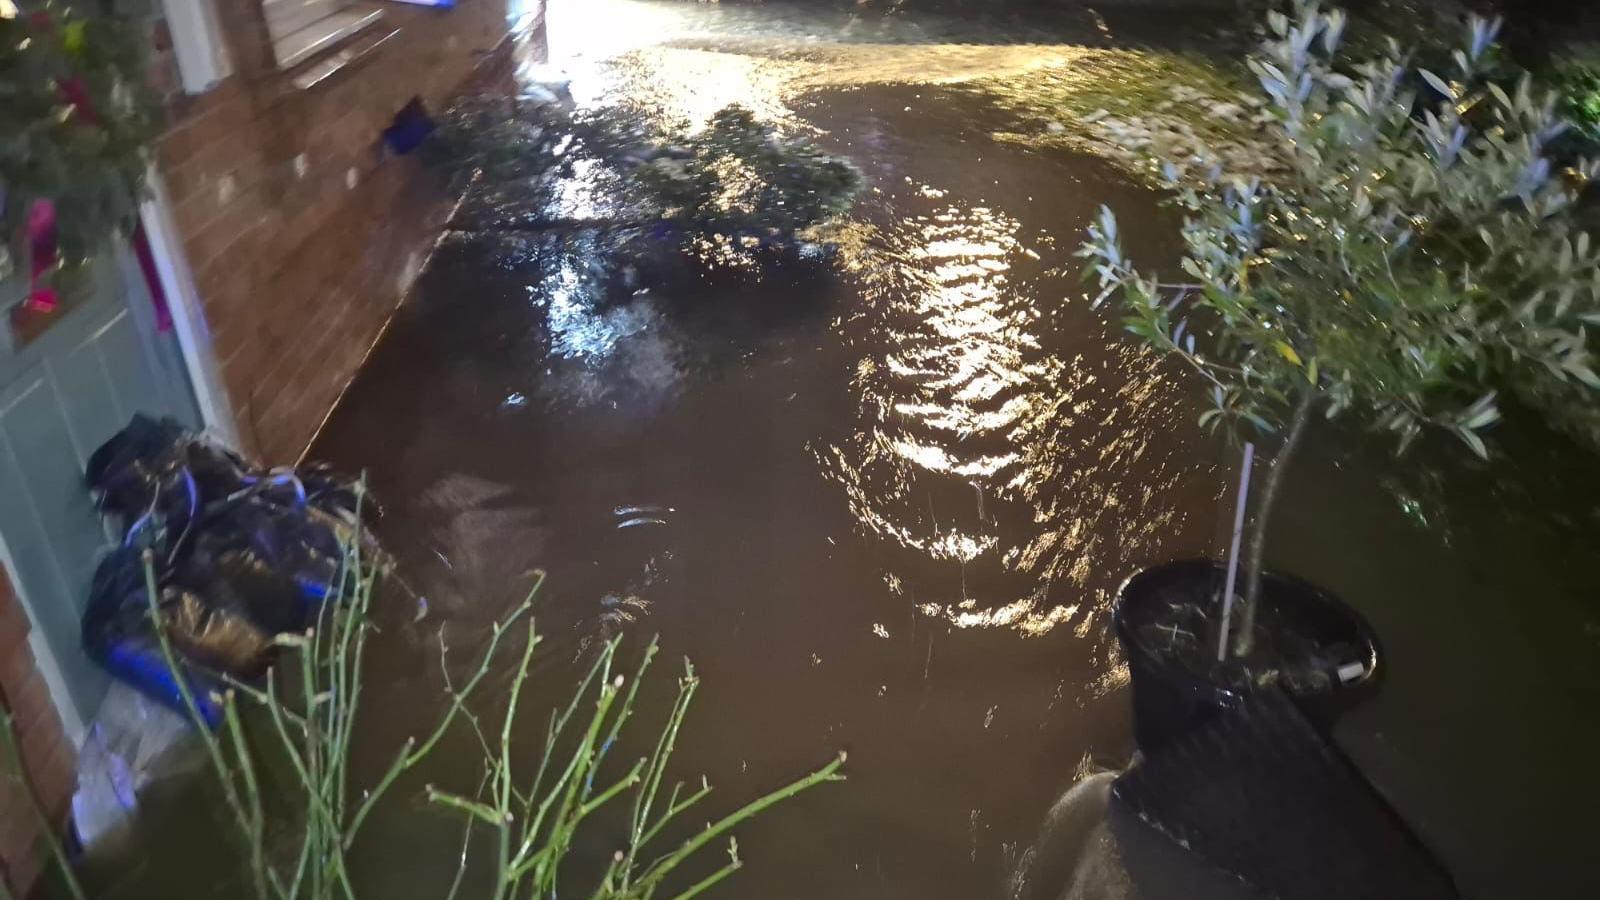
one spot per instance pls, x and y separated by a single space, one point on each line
1307 642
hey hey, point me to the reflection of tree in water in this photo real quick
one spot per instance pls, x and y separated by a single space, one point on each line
532 162
1025 460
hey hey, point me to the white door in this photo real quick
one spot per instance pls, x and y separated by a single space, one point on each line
68 381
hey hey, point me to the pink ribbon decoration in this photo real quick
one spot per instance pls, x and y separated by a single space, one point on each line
76 94
40 228
152 280
40 231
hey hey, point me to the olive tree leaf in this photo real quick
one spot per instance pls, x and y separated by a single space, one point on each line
1438 84
1472 440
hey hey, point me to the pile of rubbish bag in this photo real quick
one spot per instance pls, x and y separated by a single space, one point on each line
240 554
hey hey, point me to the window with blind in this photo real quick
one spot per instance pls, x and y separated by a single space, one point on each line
301 29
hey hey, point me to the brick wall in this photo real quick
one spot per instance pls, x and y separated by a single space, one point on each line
48 754
302 235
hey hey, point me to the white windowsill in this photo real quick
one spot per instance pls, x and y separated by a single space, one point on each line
298 46
325 67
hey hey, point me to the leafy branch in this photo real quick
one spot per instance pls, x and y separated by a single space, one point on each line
1417 258
534 825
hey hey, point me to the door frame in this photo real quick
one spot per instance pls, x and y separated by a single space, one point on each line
188 314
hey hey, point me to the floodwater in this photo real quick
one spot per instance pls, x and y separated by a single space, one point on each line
883 500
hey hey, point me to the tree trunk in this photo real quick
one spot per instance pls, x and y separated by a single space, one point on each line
1245 635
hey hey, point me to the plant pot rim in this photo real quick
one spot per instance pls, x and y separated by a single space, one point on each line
1287 586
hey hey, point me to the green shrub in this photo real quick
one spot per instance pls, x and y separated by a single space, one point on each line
1578 81
1418 255
531 806
76 121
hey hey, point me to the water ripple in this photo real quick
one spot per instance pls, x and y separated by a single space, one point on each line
983 444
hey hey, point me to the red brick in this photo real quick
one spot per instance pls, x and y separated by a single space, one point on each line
252 359
245 29
15 818
48 756
57 779
24 872
210 117
18 827
237 154
230 239
15 669
297 272
32 708
19 851
14 624
40 734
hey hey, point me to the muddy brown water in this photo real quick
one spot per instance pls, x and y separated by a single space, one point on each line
883 502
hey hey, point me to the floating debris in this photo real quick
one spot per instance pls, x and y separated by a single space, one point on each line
642 510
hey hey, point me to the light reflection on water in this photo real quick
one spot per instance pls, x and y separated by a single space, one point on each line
684 61
608 50
1007 466
973 430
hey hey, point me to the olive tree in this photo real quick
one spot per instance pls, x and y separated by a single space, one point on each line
1415 254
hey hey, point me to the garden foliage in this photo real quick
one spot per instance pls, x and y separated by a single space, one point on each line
1418 257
